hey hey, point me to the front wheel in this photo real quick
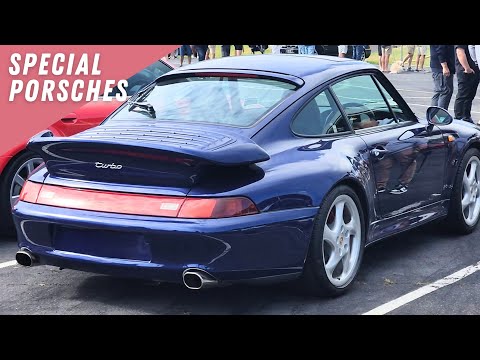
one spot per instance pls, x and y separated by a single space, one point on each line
337 244
464 211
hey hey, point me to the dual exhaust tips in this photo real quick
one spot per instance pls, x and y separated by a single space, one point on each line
194 279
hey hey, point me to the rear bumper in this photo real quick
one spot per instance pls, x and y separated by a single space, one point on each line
234 249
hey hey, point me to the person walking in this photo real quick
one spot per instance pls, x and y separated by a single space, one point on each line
275 49
185 50
421 53
342 51
467 83
211 52
385 59
442 63
238 49
409 57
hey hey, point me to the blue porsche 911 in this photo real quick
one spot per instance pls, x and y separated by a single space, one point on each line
248 168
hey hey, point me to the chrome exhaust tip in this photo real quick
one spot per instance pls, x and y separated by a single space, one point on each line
25 257
196 279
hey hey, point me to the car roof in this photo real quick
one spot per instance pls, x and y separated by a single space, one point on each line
294 65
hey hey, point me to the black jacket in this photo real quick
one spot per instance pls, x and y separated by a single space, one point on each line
440 54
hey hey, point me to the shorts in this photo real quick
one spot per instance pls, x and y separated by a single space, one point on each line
342 49
387 49
422 49
379 50
212 48
185 50
238 47
411 49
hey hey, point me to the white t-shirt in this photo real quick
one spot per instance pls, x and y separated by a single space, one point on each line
275 48
474 51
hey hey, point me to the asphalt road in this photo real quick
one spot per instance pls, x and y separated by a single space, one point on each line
391 269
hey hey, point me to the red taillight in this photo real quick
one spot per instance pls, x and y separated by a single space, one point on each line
217 208
137 204
30 192
112 202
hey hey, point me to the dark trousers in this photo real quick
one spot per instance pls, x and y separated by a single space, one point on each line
201 51
442 90
466 91
226 50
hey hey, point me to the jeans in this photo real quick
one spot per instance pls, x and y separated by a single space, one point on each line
443 90
466 91
358 51
306 49
226 50
201 51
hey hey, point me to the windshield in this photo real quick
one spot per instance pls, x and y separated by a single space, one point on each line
234 100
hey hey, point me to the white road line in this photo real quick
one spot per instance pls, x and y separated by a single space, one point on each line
8 263
414 295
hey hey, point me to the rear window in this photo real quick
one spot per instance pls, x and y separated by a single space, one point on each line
227 100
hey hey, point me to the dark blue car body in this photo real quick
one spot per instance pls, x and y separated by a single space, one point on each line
286 175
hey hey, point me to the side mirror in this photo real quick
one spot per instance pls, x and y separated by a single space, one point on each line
438 116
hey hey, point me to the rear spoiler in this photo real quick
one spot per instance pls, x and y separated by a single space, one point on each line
239 151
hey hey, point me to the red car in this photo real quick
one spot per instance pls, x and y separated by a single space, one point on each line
17 163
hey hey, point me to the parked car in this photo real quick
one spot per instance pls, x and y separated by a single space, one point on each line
249 168
331 50
17 163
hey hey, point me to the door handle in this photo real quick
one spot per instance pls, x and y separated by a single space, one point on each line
378 152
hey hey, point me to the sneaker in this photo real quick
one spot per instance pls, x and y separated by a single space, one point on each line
416 70
409 69
470 120
399 189
381 189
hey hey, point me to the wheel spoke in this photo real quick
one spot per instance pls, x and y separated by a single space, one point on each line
466 181
19 180
471 209
346 264
332 263
330 237
338 216
351 226
30 167
465 200
473 171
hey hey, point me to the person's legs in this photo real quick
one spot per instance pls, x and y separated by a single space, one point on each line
473 93
464 83
357 52
310 49
380 61
445 91
201 51
386 50
238 50
226 50
301 49
342 50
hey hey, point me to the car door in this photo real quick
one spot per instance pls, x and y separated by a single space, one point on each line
407 157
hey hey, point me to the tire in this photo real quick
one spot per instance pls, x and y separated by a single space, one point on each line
21 166
318 278
463 216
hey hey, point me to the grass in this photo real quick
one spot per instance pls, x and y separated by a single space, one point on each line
397 55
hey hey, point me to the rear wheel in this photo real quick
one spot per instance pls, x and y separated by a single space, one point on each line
11 185
337 244
464 211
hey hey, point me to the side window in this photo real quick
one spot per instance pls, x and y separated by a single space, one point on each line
320 116
363 102
400 114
